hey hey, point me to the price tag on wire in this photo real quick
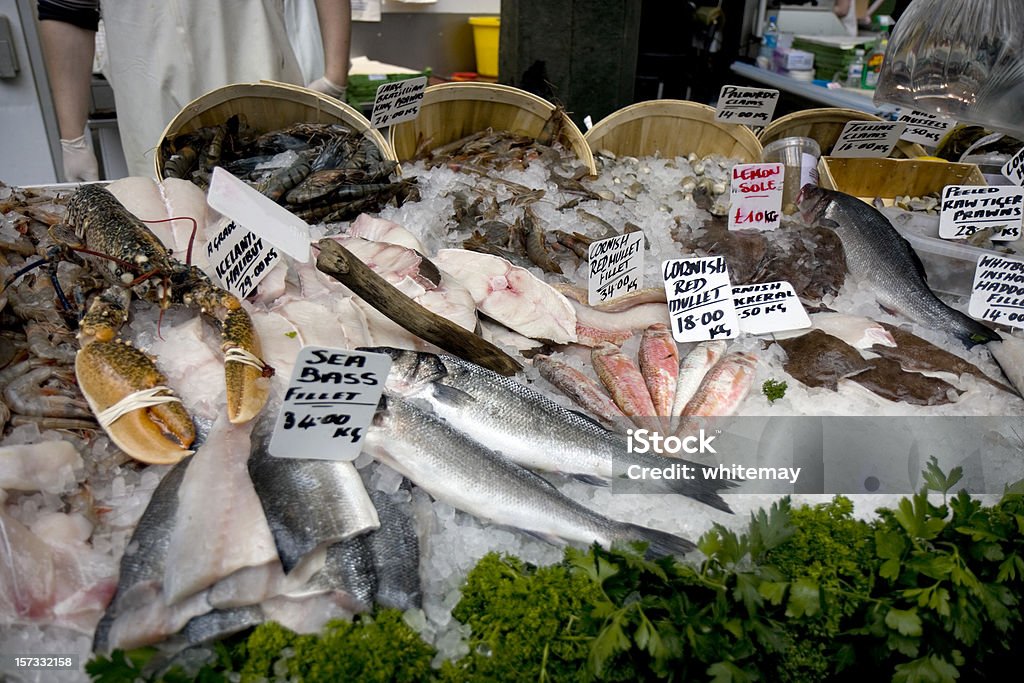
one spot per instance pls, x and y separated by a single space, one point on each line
330 403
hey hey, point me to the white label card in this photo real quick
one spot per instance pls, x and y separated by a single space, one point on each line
998 292
1014 168
616 267
700 305
924 129
268 219
753 106
329 405
868 139
398 101
769 307
240 258
756 196
969 209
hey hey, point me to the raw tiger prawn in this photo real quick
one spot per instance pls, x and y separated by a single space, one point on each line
122 385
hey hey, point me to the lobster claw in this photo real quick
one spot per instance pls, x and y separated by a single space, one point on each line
157 430
245 375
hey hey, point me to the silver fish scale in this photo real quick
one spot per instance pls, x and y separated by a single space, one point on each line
468 476
878 254
395 547
143 561
308 503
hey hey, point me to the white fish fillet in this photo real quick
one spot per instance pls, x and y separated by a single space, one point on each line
381 230
253 585
49 575
154 621
637 318
303 615
338 324
1009 353
511 295
220 526
151 200
499 335
49 466
279 344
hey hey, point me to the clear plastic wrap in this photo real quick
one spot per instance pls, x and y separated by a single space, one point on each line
963 59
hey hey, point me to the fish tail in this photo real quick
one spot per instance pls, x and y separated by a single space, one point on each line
659 543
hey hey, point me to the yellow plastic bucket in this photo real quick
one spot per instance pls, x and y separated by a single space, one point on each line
485 39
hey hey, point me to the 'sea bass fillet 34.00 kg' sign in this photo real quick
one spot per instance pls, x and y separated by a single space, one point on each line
329 405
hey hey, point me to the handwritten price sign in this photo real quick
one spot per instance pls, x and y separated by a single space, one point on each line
700 303
329 405
756 193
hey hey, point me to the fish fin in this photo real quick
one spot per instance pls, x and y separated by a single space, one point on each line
659 543
540 536
591 479
451 396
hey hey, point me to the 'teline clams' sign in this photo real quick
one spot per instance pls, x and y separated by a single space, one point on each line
700 302
868 139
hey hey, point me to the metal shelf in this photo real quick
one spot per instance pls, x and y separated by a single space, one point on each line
838 97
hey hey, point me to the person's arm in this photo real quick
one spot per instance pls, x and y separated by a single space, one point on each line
68 53
335 19
841 8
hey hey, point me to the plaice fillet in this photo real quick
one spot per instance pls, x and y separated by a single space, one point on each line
511 295
217 508
381 230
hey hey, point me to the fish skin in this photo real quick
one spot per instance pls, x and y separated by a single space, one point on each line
467 475
658 359
348 572
584 392
221 623
819 359
395 550
878 254
692 369
308 503
523 424
626 385
917 354
724 387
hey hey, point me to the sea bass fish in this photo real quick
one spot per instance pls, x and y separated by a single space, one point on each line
877 253
467 475
524 425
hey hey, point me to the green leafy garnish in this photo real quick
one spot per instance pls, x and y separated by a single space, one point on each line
773 390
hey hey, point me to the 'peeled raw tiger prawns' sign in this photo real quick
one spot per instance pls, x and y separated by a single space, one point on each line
700 301
969 209
398 101
868 139
616 267
998 292
753 106
756 196
329 405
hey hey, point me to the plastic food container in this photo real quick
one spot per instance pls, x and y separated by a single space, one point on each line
485 41
800 157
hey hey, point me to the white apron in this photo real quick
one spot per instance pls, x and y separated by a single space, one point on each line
165 53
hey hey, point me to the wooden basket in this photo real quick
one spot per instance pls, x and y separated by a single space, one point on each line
824 125
888 178
451 111
672 128
267 106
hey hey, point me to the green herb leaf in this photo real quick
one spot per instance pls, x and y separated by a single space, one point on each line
905 621
773 591
936 480
291 335
804 599
727 672
773 390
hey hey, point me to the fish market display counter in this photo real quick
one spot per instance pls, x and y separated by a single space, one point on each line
833 97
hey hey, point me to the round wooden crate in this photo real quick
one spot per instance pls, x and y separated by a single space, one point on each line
824 125
267 106
672 128
451 111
